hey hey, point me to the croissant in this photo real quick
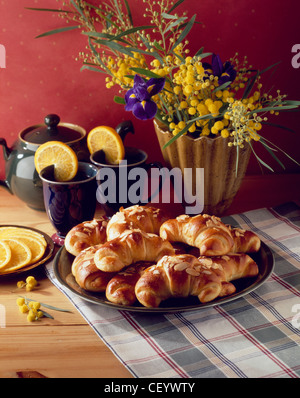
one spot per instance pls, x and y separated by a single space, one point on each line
121 288
86 234
147 219
130 247
86 274
244 241
185 275
207 233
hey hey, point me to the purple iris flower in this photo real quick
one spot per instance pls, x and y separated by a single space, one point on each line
225 72
138 99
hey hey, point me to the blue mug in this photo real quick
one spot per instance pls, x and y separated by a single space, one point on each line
71 202
125 184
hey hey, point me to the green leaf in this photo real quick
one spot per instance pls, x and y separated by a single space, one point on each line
273 108
97 56
59 30
46 314
48 10
92 69
145 72
175 6
278 125
48 306
175 23
185 32
158 46
168 16
281 150
119 100
237 160
118 10
132 30
101 35
128 11
271 152
178 135
116 47
260 160
204 55
222 87
250 85
268 68
78 8
289 102
199 52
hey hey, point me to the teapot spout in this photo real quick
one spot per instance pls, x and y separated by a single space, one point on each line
6 153
6 149
5 185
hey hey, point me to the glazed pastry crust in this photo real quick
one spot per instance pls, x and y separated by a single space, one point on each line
86 274
147 219
86 234
130 247
121 288
186 275
207 233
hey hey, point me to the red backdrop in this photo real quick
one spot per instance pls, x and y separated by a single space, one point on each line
42 76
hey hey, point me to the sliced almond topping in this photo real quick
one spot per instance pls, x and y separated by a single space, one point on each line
183 217
80 234
206 272
89 224
226 258
192 271
181 266
206 261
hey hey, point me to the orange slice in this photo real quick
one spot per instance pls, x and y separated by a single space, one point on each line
106 138
11 232
5 253
36 247
20 255
61 156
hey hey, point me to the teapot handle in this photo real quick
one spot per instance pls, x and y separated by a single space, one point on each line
6 153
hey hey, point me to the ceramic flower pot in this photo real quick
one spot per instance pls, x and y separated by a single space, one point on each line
218 160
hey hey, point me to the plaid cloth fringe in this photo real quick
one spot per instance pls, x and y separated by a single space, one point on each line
255 336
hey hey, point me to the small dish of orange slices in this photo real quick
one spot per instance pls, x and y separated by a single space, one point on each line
22 248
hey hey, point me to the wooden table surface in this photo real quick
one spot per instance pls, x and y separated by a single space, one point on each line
66 346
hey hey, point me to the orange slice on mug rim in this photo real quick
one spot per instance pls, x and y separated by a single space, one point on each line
61 156
106 138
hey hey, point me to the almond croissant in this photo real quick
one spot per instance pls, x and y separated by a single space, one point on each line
130 247
86 234
121 288
147 219
207 233
244 241
86 274
185 275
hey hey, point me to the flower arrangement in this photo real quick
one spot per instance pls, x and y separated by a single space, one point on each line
158 78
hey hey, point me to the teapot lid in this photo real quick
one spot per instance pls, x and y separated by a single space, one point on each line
51 131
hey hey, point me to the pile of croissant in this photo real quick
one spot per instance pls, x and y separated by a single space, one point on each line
141 255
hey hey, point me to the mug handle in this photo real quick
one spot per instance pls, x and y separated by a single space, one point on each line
159 166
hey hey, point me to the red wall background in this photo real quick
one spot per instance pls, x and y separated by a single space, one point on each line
42 75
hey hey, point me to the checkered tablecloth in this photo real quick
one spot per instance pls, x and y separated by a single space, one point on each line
256 336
